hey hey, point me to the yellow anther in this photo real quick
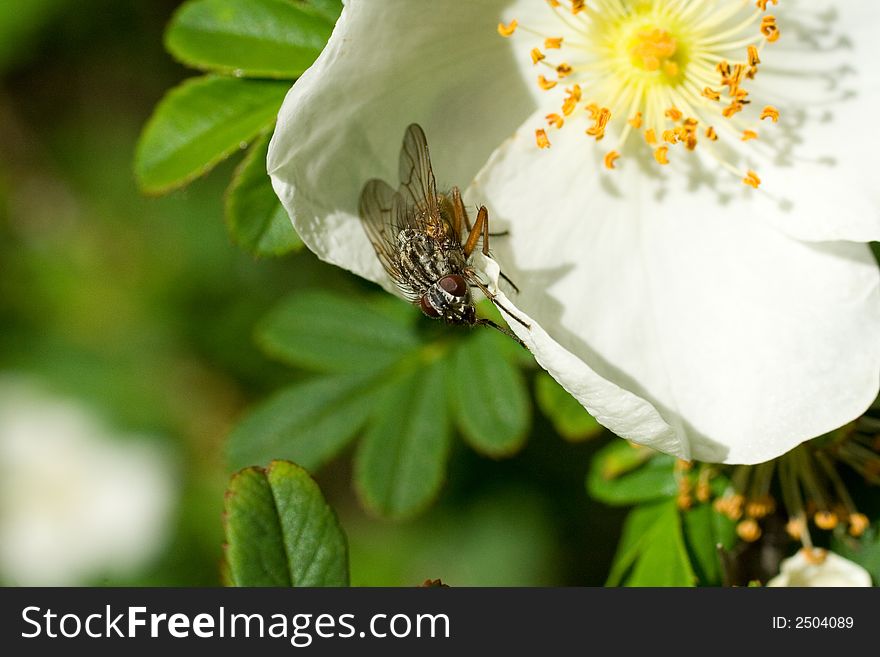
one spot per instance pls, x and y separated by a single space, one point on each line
711 135
825 519
732 109
577 6
815 556
555 120
610 158
749 530
795 528
711 94
553 43
669 136
748 135
754 59
509 29
760 507
662 155
546 84
537 55
651 137
563 70
752 179
541 138
769 28
597 130
553 3
572 98
636 121
770 112
858 523
762 4
674 114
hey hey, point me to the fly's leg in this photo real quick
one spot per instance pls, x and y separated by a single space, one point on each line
459 212
505 331
480 229
475 281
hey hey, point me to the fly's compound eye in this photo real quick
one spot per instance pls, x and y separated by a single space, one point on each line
427 308
454 285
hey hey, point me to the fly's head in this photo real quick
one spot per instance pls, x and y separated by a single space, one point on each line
449 299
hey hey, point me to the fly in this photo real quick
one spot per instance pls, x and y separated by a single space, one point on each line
417 235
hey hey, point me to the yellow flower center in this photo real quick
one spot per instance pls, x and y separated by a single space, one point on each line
673 70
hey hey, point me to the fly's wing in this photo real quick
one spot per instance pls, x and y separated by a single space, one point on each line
376 217
417 185
383 214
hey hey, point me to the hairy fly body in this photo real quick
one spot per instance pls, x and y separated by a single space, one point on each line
417 236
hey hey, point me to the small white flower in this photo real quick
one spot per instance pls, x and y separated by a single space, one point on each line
684 309
76 502
820 568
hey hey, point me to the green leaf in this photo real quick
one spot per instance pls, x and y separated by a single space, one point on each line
198 124
704 529
401 461
330 9
256 219
489 397
569 418
250 38
652 550
309 423
865 550
621 474
280 530
331 333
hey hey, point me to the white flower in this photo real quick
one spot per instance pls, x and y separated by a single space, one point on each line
684 309
820 568
76 502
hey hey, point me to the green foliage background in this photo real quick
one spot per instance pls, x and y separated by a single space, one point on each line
199 315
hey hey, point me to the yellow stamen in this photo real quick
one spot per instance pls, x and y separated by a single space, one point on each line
662 155
541 138
815 556
770 112
674 114
769 28
749 530
509 29
825 519
555 120
752 179
610 158
858 523
754 59
546 84
668 69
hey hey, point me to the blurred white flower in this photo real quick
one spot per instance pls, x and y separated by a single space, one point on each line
815 567
76 501
684 309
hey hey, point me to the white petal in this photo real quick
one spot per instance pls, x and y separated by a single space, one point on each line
390 63
747 341
624 413
833 571
820 176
